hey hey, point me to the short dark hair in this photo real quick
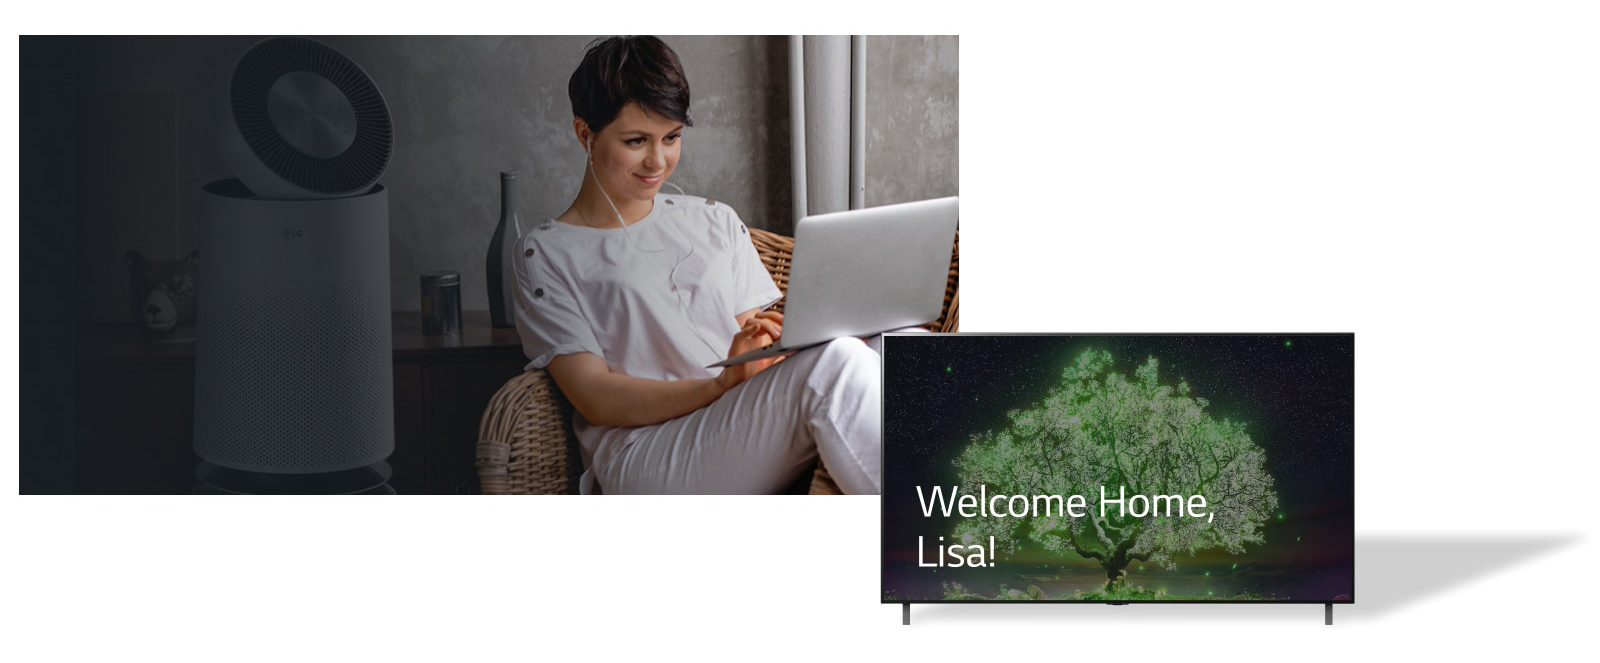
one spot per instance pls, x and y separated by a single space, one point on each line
618 70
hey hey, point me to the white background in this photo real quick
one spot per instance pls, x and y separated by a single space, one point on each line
1423 175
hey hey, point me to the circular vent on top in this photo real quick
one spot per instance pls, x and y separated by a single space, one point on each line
306 122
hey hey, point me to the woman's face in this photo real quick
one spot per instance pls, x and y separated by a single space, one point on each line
636 153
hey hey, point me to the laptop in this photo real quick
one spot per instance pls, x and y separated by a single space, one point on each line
864 272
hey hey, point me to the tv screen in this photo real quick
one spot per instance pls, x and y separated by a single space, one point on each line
1118 468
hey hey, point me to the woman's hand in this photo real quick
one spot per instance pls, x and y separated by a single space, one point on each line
757 331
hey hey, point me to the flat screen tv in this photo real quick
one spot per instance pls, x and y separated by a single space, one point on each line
1119 468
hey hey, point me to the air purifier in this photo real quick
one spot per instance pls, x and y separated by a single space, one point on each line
293 352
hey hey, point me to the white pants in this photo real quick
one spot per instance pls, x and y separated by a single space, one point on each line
761 435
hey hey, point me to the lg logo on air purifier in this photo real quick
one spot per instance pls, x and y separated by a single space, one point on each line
292 233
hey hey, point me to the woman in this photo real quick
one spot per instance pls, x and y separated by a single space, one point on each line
627 295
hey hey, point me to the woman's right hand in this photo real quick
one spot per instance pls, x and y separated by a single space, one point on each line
758 332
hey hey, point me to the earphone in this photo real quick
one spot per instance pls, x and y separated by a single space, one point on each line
588 151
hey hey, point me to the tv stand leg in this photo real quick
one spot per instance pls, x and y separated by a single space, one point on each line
1329 615
905 614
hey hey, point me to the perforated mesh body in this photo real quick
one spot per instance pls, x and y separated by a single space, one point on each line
294 356
301 377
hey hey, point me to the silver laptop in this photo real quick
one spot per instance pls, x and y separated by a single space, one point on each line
864 272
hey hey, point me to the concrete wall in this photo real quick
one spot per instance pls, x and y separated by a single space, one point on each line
464 109
912 127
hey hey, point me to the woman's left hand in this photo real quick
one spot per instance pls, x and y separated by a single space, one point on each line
772 323
758 331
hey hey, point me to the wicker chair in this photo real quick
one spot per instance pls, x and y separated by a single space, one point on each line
525 439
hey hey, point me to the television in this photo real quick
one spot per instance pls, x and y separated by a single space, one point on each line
1118 468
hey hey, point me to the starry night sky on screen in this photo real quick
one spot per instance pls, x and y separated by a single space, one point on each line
1295 394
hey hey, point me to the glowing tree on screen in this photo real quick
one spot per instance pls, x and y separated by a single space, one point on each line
1099 428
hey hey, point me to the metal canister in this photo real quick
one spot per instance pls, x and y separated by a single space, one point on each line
441 303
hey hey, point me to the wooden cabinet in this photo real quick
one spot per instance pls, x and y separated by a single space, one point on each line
445 382
135 431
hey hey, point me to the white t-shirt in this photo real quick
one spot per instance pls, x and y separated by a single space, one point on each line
660 306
